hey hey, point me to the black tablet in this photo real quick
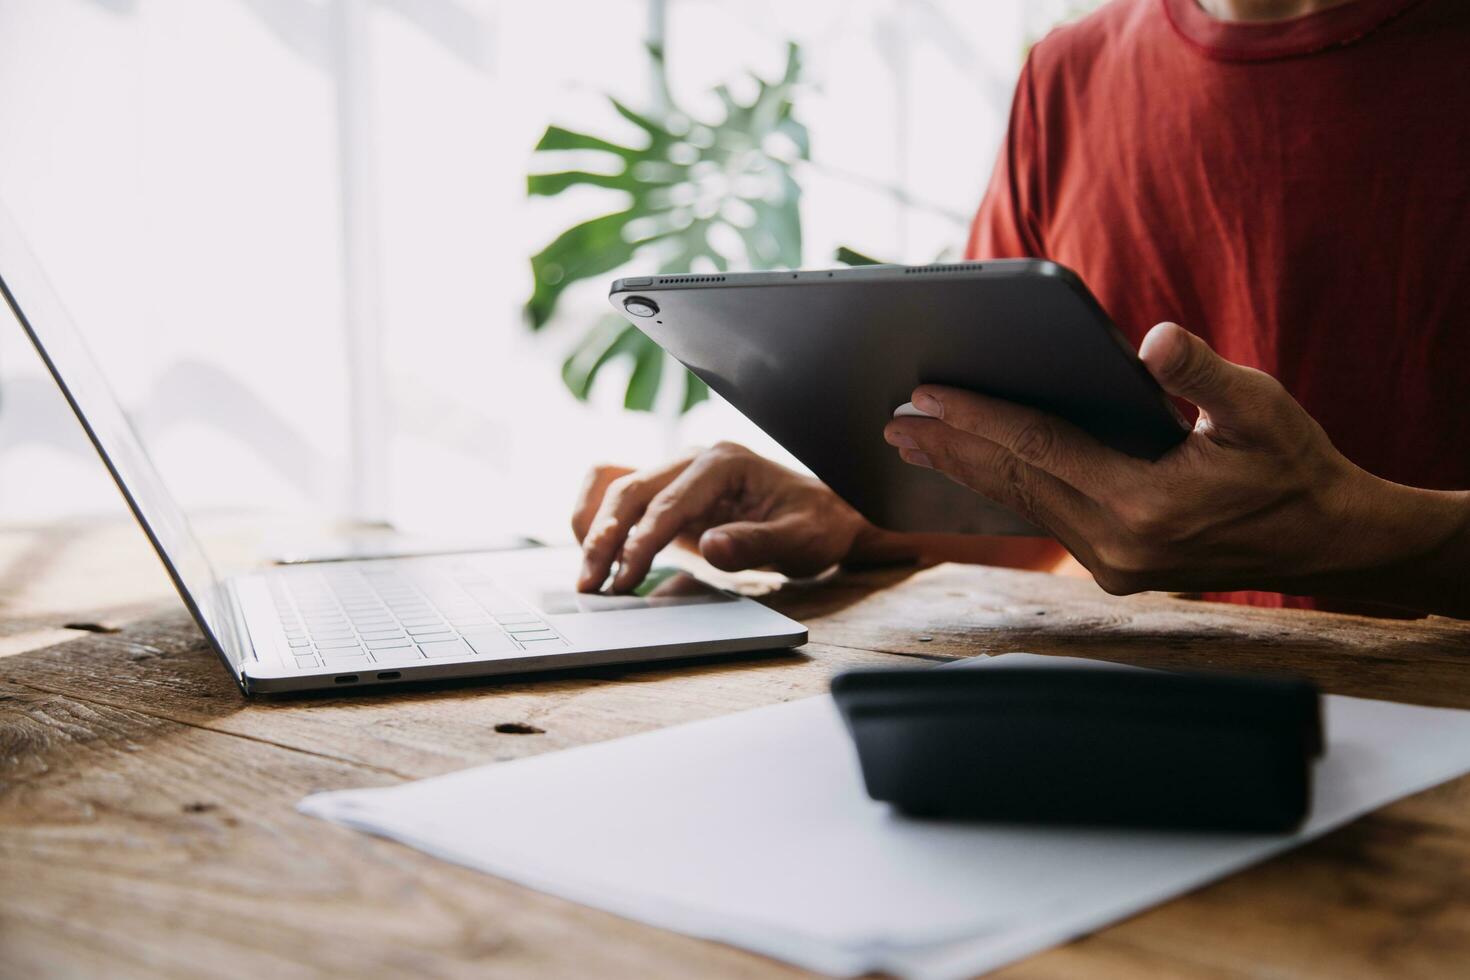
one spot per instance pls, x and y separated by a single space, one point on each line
820 360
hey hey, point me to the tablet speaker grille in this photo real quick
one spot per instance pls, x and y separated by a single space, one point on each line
920 270
676 280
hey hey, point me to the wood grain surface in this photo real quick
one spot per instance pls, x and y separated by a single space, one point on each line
147 822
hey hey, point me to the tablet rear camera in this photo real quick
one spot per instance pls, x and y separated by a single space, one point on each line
640 306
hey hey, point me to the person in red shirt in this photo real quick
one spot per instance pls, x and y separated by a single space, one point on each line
1288 178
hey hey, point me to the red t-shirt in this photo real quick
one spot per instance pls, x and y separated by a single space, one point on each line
1296 193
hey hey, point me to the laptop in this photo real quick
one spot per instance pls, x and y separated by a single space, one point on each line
392 620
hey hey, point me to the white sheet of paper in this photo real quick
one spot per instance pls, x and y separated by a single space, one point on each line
754 829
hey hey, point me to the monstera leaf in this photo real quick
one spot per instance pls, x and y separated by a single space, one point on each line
851 256
699 194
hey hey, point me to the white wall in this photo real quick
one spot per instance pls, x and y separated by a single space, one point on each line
176 166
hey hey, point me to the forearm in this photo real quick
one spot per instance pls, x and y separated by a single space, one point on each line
1406 547
877 546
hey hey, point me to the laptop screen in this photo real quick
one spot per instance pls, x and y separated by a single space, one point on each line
46 321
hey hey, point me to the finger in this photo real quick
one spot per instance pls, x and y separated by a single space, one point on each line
687 498
785 543
620 509
1034 437
589 497
1229 394
995 472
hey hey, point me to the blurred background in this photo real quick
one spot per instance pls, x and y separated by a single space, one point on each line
350 257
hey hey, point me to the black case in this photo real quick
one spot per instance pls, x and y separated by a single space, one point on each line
1086 745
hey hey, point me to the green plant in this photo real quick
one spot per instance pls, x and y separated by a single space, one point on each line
851 256
715 194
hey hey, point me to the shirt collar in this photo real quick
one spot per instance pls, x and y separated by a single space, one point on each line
1229 40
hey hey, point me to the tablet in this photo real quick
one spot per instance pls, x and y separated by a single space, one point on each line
819 360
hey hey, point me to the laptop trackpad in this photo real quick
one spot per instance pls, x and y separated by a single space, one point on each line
664 586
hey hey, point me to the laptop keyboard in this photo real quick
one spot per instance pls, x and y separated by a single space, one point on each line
353 616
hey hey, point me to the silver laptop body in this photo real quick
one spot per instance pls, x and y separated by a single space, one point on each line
328 625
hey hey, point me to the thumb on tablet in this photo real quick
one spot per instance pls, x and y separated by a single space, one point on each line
1231 395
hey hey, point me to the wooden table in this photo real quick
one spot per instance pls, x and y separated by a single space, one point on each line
147 823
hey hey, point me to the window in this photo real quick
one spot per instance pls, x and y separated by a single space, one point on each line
296 231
